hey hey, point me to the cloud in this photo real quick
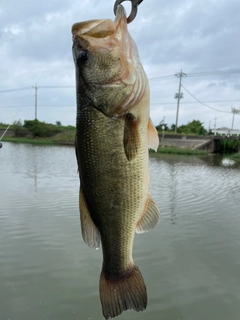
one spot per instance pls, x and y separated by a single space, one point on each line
195 36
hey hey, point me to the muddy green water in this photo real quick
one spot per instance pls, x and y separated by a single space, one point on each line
190 261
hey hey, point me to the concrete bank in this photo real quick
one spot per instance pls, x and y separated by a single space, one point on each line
210 144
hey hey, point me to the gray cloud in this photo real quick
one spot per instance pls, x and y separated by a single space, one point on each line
196 36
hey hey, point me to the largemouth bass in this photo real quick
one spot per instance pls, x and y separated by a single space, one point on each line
113 133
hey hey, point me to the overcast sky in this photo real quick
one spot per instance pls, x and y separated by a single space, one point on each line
201 37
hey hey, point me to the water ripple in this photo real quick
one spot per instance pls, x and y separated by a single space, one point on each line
190 261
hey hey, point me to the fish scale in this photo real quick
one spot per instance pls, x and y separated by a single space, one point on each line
105 181
113 133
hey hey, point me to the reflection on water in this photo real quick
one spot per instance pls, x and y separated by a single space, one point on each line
190 261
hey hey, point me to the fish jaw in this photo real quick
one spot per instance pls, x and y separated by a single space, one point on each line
109 73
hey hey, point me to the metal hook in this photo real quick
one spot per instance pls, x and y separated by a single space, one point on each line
135 4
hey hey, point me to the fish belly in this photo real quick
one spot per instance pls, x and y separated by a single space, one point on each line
115 191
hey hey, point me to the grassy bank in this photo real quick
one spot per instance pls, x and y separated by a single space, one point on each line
174 150
32 141
41 133
236 156
68 139
64 138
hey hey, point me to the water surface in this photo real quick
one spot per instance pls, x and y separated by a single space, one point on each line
190 261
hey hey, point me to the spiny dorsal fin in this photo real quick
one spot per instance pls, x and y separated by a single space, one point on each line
90 233
149 218
131 139
153 139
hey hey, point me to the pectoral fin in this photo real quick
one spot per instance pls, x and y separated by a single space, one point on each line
90 232
153 139
131 139
149 218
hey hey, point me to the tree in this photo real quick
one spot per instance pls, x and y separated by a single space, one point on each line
193 127
159 126
18 129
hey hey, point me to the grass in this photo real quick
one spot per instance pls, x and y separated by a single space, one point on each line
174 150
235 156
3 126
32 141
67 138
176 133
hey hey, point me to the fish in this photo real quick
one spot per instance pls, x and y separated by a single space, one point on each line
113 134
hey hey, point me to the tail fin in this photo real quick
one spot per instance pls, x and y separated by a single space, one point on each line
124 292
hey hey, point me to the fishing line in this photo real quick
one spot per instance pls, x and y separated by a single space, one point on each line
21 106
13 118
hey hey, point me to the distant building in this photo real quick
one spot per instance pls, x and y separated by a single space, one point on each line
226 131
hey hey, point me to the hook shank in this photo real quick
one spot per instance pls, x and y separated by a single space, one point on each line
135 4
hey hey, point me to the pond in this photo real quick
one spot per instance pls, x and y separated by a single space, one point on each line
190 261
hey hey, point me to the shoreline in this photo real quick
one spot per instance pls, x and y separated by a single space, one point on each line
70 143
55 142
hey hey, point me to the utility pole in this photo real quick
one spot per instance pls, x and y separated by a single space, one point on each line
215 126
36 88
179 95
234 111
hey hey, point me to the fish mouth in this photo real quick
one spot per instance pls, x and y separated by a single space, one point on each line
94 28
100 28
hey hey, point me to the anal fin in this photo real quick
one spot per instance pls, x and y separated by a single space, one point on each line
153 139
150 217
131 137
90 232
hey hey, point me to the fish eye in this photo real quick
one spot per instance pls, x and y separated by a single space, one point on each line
82 56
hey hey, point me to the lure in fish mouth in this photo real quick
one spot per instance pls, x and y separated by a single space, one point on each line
113 134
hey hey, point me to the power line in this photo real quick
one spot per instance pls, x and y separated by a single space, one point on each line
209 73
166 77
152 103
194 102
162 78
199 74
16 89
42 106
204 103
26 88
56 87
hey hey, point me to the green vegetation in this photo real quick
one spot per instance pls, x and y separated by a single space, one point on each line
40 129
3 125
229 146
235 156
194 127
29 140
41 133
18 129
174 150
37 132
